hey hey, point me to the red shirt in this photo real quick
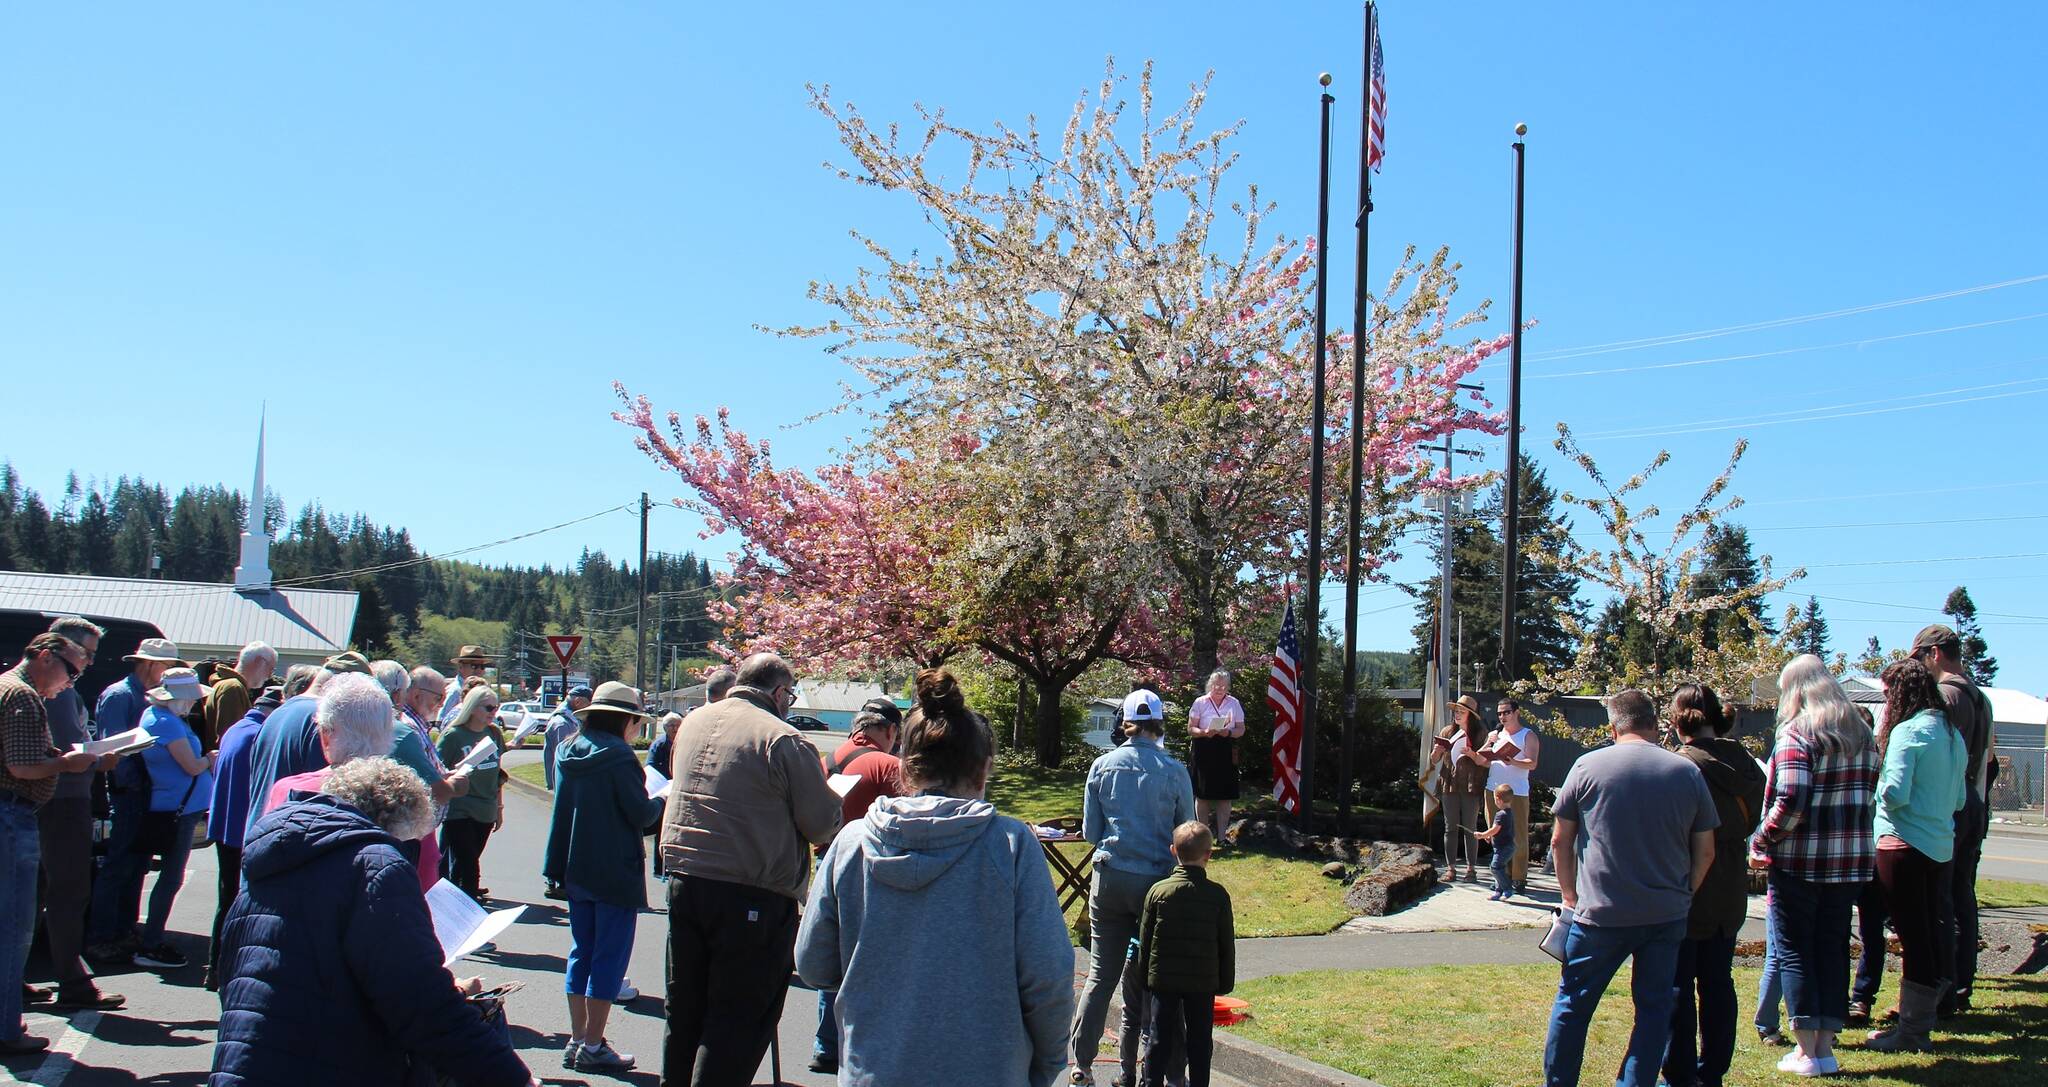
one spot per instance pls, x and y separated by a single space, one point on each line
880 774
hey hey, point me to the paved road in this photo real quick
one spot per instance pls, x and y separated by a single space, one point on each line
2010 855
164 1037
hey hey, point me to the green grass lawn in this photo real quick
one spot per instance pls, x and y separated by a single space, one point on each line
532 773
1473 1026
1995 894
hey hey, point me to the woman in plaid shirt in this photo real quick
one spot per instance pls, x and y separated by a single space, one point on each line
1816 837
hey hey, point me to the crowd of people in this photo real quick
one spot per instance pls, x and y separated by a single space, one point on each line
338 796
1654 849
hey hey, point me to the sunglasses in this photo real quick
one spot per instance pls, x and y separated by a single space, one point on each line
71 671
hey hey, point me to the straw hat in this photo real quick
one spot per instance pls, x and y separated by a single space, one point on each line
1470 705
178 683
471 654
618 698
161 650
348 662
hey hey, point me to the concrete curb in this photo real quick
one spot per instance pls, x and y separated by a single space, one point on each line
509 780
1241 1058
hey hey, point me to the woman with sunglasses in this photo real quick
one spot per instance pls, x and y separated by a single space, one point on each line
474 815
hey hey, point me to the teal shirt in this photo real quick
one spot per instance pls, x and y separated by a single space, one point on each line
1921 786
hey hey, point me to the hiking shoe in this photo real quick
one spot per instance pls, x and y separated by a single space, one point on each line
601 1057
824 1063
162 956
87 997
569 1054
1772 1038
1081 1077
109 955
627 993
1859 1013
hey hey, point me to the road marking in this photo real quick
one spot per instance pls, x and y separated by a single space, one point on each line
63 1054
2015 860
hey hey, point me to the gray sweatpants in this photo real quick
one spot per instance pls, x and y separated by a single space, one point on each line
1116 899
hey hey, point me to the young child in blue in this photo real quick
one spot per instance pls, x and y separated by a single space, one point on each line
1501 836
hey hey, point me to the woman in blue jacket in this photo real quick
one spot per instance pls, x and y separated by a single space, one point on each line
1919 791
180 785
330 972
597 854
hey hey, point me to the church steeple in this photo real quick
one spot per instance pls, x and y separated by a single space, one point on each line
254 570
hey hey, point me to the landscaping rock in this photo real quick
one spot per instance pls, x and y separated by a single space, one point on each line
1387 888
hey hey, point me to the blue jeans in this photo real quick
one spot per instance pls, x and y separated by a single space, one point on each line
1769 991
21 853
827 1042
1813 948
1592 955
1502 884
1703 1033
1871 914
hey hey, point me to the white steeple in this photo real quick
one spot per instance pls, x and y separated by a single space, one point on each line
254 570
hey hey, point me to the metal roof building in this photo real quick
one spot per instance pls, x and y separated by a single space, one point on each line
205 619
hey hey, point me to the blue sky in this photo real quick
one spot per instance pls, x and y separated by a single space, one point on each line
431 240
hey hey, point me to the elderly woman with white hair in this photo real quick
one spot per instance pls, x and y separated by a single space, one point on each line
180 791
331 974
1214 724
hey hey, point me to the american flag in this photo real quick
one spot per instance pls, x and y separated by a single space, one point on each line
1375 93
1284 696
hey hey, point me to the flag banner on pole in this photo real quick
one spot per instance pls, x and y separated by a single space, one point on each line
1427 773
1283 693
1375 95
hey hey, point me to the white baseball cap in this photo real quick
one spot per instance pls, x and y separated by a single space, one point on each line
1143 706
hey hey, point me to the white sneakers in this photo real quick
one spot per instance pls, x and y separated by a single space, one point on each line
1799 1064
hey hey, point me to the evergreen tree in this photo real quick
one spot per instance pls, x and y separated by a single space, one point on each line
372 631
95 536
1728 566
1978 662
1814 635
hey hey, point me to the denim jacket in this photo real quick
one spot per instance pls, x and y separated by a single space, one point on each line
1136 795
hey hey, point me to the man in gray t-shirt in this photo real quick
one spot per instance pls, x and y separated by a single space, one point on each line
1632 840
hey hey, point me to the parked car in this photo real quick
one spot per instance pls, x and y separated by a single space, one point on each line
510 714
807 723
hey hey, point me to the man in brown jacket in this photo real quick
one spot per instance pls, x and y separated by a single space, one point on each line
748 794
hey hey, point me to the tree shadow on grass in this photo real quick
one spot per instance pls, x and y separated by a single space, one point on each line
1980 1045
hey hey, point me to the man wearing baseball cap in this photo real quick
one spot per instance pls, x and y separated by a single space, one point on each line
561 727
1135 796
1941 650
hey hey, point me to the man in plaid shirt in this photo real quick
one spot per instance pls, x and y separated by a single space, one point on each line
29 766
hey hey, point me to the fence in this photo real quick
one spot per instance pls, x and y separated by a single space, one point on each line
2022 779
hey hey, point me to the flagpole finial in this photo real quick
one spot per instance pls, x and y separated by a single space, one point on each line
1324 79
1521 129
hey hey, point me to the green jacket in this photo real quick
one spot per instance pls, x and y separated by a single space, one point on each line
1187 942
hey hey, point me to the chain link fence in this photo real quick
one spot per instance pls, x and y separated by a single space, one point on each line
2022 783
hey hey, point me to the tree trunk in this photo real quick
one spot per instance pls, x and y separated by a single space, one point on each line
1017 718
1046 719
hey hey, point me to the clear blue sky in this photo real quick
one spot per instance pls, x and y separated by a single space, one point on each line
432 239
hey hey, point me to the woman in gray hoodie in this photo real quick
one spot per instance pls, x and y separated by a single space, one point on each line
935 919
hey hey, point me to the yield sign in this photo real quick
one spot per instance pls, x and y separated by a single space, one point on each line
564 646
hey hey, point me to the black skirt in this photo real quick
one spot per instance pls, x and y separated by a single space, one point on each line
1211 767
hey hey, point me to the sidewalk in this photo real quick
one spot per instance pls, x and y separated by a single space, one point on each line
1464 907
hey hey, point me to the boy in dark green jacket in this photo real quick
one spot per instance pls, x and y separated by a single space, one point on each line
1187 948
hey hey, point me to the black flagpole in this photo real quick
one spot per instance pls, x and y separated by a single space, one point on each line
1310 649
1511 513
1361 321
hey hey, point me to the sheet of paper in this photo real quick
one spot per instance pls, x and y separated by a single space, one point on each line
657 783
460 924
843 783
121 743
527 726
478 755
1560 927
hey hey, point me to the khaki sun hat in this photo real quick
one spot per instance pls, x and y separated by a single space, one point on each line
618 698
178 683
471 654
161 650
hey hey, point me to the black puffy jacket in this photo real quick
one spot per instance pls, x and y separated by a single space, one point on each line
331 975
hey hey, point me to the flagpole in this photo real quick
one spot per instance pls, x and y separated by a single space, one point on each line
1310 649
1361 321
1511 513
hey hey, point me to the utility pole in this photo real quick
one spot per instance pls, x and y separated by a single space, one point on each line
640 614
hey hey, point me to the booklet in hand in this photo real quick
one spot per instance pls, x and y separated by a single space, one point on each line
462 926
1443 743
482 753
121 743
1505 749
1554 937
842 783
657 783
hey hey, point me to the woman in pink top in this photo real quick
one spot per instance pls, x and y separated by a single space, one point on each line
1214 724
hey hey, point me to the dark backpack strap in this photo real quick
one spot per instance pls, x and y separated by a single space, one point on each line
838 766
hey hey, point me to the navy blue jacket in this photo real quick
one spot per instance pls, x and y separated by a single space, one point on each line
601 813
331 976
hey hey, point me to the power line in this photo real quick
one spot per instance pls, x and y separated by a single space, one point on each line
1781 322
1864 342
1764 422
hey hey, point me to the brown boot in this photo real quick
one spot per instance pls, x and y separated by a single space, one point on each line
1916 1021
